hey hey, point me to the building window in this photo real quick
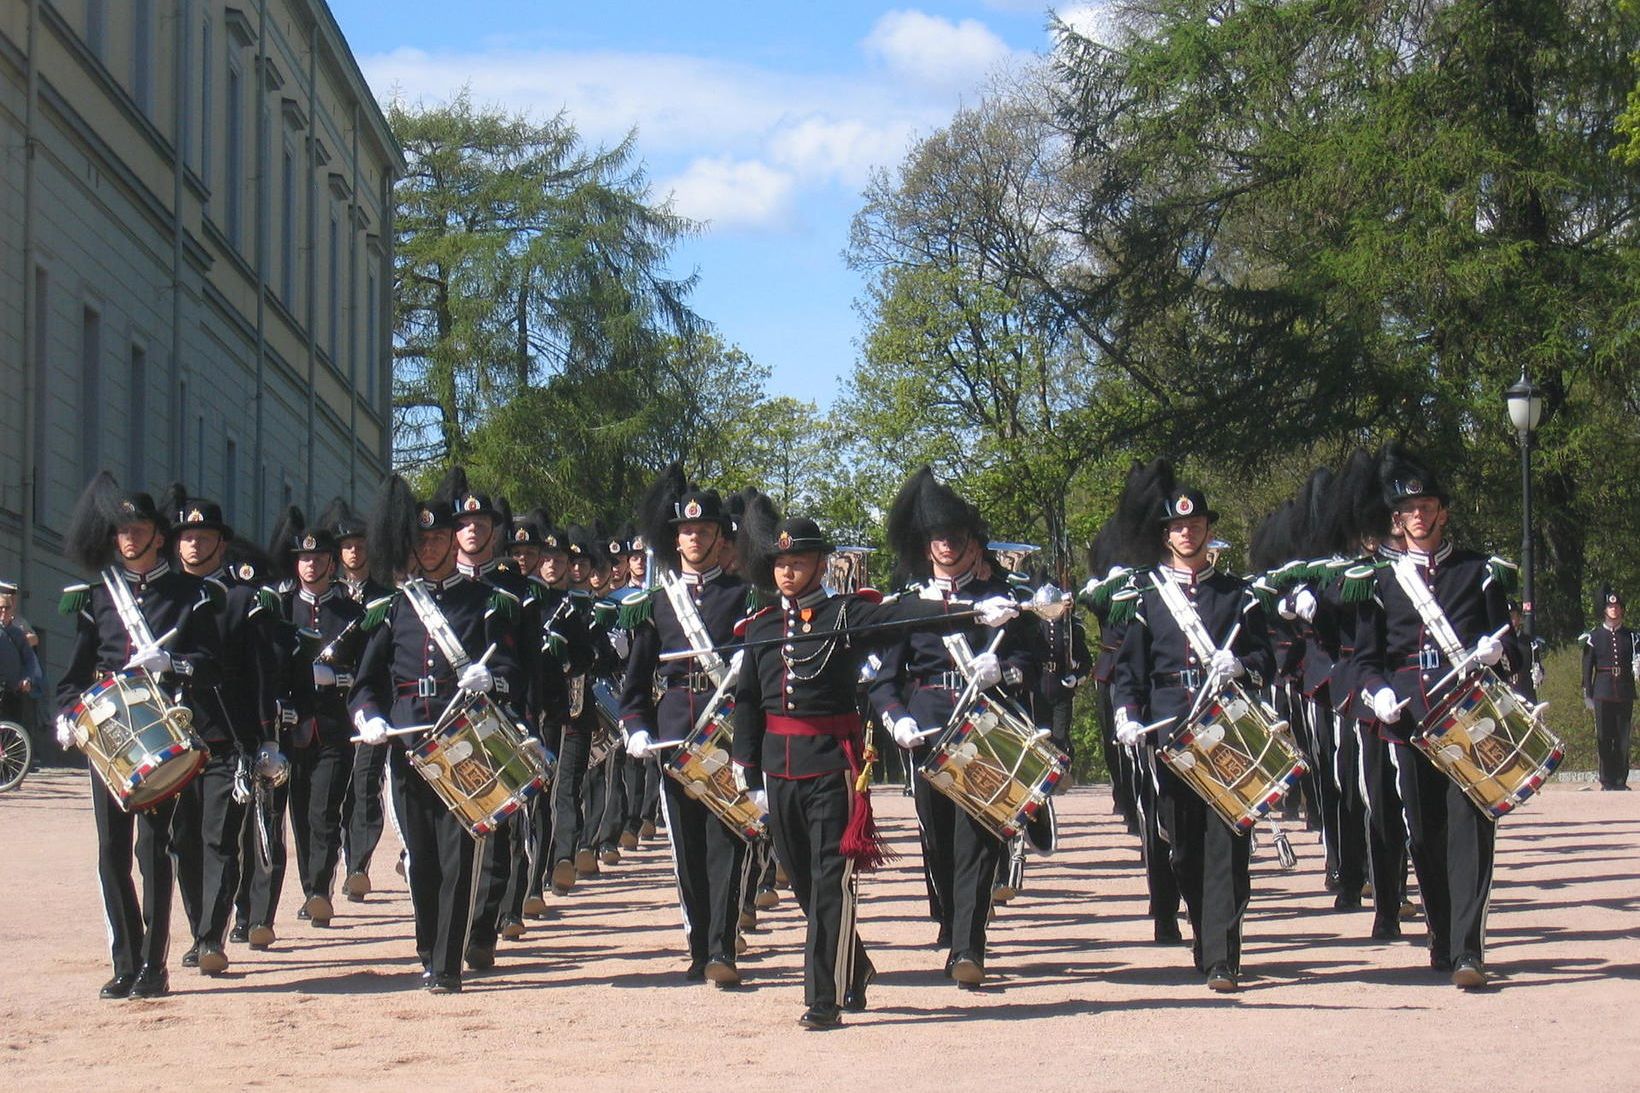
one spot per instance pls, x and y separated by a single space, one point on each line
42 406
180 451
235 152
287 229
199 448
205 68
90 391
372 352
230 482
142 54
96 25
136 425
336 293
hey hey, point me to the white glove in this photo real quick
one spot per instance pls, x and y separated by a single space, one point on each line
1127 729
150 658
324 675
906 733
621 642
985 670
996 610
242 792
539 750
1385 706
1537 674
372 730
1227 664
1091 587
1304 604
68 732
760 799
476 678
638 743
271 765
1588 703
1488 650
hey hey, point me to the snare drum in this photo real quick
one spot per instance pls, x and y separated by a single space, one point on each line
1236 757
141 745
481 764
703 766
1488 740
996 766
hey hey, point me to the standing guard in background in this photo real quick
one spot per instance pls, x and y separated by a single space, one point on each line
363 813
405 681
1398 658
1159 674
1611 660
939 540
694 604
126 536
210 817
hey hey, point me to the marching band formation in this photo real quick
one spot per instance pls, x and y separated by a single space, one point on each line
526 701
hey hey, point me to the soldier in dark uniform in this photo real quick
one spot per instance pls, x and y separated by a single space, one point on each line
1611 655
1398 659
210 817
363 814
606 785
1104 575
125 533
686 526
321 676
798 733
643 787
1158 675
405 679
565 649
940 539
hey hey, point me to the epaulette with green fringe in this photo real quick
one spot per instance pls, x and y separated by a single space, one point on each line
375 612
1506 573
625 610
76 598
1359 580
1586 638
503 603
1124 602
1099 596
268 600
755 600
1265 593
216 593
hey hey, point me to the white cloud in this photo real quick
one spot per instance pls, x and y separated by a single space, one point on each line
935 52
1095 21
840 150
730 193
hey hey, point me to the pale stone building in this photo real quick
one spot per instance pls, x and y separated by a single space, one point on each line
195 266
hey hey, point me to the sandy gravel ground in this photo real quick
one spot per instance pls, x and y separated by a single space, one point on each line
594 996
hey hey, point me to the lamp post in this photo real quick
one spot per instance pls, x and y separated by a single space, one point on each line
1525 402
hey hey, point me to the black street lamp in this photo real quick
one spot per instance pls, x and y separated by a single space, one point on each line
1525 402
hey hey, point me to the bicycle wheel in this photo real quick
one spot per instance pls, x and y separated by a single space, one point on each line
16 754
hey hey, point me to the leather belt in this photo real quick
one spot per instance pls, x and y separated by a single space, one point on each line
1190 677
698 683
1425 660
427 687
946 681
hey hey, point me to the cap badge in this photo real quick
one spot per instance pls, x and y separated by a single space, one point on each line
310 543
1184 506
194 517
551 540
246 572
1414 486
637 542
522 535
471 504
425 518
785 540
128 508
691 511
614 546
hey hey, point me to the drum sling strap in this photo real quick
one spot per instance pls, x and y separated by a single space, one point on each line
125 604
1435 620
694 629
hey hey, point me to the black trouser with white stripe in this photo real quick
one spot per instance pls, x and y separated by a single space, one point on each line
605 803
569 782
1452 844
960 858
1613 727
363 815
441 867
319 776
1210 864
709 860
494 897
1124 781
205 834
643 791
807 818
1386 826
138 932
1160 882
1344 824
256 897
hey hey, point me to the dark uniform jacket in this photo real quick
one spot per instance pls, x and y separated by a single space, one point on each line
1608 663
797 702
168 599
253 675
1394 649
337 625
1065 659
684 689
404 677
918 677
1158 672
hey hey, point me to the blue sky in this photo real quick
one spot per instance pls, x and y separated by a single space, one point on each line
762 119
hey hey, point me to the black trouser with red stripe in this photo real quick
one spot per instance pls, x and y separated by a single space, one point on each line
138 932
807 818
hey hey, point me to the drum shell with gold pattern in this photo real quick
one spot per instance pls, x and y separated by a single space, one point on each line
1234 756
1491 743
476 761
996 767
142 747
702 764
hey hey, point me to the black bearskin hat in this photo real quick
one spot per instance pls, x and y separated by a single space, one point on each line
341 521
923 507
98 514
392 530
1403 475
755 541
655 511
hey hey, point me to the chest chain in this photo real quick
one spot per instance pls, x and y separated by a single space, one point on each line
803 668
